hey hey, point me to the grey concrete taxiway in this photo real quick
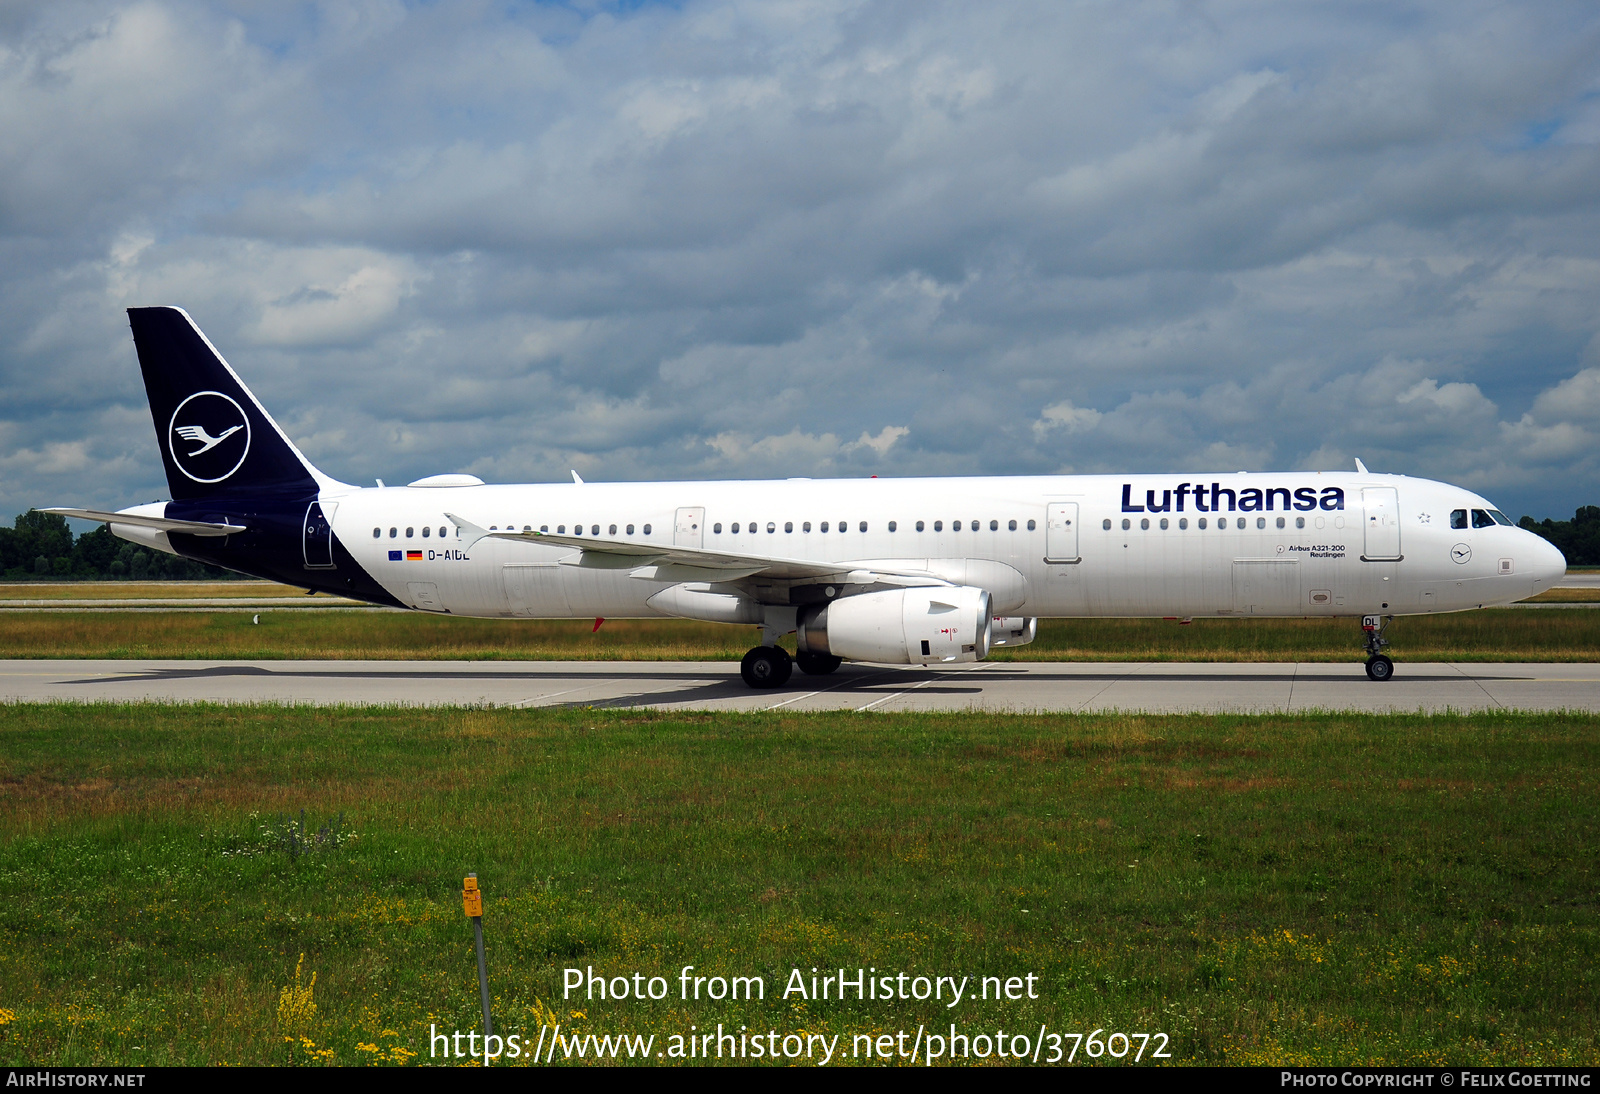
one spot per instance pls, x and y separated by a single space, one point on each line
999 686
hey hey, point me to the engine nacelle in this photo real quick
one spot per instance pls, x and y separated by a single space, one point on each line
916 626
1013 630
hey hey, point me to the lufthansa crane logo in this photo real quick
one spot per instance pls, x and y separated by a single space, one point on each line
209 436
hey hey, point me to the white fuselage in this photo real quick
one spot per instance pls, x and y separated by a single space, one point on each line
1292 544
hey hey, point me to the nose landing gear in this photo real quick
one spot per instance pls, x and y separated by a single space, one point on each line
1379 666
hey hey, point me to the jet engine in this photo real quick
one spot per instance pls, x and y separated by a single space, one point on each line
915 626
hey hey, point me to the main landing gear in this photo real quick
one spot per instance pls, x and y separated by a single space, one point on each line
1379 666
817 664
770 666
767 667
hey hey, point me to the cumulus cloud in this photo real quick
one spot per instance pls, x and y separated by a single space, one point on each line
722 238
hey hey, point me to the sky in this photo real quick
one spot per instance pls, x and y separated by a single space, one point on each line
811 238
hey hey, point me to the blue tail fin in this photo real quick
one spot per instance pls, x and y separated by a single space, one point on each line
216 439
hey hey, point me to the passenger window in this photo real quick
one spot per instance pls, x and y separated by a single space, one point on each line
1480 519
1106 524
1183 522
561 529
1299 522
408 533
806 527
788 526
771 527
426 532
647 529
1280 522
1261 522
1144 524
824 526
377 532
577 529
1030 526
1163 524
1126 524
892 525
594 530
630 529
393 532
863 526
920 526
1201 524
938 526
544 527
994 525
1458 518
613 530
1012 527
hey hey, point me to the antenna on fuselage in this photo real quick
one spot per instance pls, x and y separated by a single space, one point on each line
1361 467
576 479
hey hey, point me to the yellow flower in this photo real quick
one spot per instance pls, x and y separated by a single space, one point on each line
296 1008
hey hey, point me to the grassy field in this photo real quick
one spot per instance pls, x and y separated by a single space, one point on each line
1551 634
1263 890
1566 596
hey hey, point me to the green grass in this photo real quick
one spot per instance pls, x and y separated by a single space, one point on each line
1310 889
1551 634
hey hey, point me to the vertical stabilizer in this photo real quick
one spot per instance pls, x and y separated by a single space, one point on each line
216 440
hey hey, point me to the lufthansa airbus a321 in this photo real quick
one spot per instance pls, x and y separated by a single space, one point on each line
890 571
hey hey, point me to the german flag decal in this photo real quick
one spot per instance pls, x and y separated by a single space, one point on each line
413 556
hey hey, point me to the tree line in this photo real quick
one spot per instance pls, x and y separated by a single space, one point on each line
1578 538
40 547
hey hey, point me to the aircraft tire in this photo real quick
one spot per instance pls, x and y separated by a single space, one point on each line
1380 668
766 667
817 664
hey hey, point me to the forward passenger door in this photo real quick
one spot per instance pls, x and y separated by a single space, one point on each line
1061 532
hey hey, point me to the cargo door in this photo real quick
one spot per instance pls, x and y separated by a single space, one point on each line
1266 586
425 595
1061 532
1382 543
690 530
538 592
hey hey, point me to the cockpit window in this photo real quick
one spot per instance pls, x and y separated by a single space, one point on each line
1482 519
1458 518
1501 518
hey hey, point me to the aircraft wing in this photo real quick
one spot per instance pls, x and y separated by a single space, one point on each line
668 562
161 524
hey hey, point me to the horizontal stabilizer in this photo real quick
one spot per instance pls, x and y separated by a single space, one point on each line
160 524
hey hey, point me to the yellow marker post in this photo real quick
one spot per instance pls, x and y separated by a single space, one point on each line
472 904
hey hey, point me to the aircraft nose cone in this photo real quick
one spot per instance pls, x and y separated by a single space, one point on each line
1549 565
